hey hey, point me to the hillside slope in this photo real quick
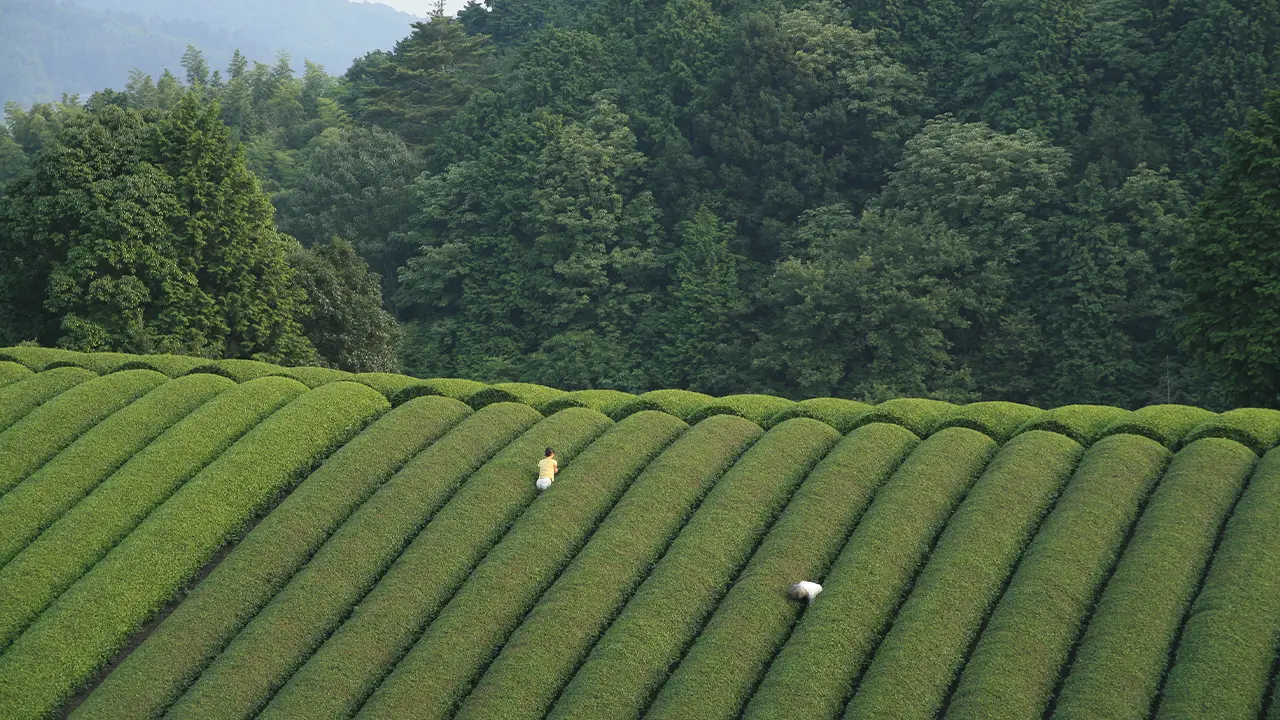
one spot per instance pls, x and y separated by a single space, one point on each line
186 538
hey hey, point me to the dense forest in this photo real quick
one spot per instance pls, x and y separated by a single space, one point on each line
53 47
1046 202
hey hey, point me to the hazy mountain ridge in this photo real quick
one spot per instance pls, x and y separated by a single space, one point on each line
48 49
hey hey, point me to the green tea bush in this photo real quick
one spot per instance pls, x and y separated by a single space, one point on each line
435 675
926 647
1166 424
635 655
680 403
1122 659
38 358
1255 428
756 408
543 653
50 491
1015 666
71 546
12 372
919 415
1226 653
608 402
283 634
843 415
314 377
175 366
44 432
729 657
386 623
153 676
535 396
93 620
814 673
999 421
20 398
239 370
1086 424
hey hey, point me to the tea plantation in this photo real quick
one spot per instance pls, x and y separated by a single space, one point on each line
190 539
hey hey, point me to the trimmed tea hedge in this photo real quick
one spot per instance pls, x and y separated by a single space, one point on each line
387 622
1086 424
925 648
535 396
240 370
38 358
93 620
153 676
756 408
1122 659
1166 424
681 403
920 416
816 670
20 398
1016 665
283 635
315 377
999 421
843 415
729 657
633 658
35 439
1227 650
174 366
471 629
49 492
608 402
96 524
543 653
1256 429
12 372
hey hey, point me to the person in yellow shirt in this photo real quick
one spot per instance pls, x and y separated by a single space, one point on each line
547 469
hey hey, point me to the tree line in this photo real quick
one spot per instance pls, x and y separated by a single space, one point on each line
1051 203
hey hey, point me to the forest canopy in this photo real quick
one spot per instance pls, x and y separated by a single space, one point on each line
1049 203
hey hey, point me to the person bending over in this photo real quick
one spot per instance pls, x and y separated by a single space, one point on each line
805 590
547 469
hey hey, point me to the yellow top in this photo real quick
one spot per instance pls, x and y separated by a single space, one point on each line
547 468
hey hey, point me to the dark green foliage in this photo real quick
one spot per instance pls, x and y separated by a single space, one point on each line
1232 267
344 319
110 242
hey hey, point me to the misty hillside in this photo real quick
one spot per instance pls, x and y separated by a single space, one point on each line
51 48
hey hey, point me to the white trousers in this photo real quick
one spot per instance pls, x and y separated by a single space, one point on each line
543 484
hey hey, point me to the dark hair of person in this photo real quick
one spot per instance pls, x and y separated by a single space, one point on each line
550 452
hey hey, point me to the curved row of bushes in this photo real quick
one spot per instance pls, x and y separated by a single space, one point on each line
157 672
817 669
436 674
389 620
1174 426
85 628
